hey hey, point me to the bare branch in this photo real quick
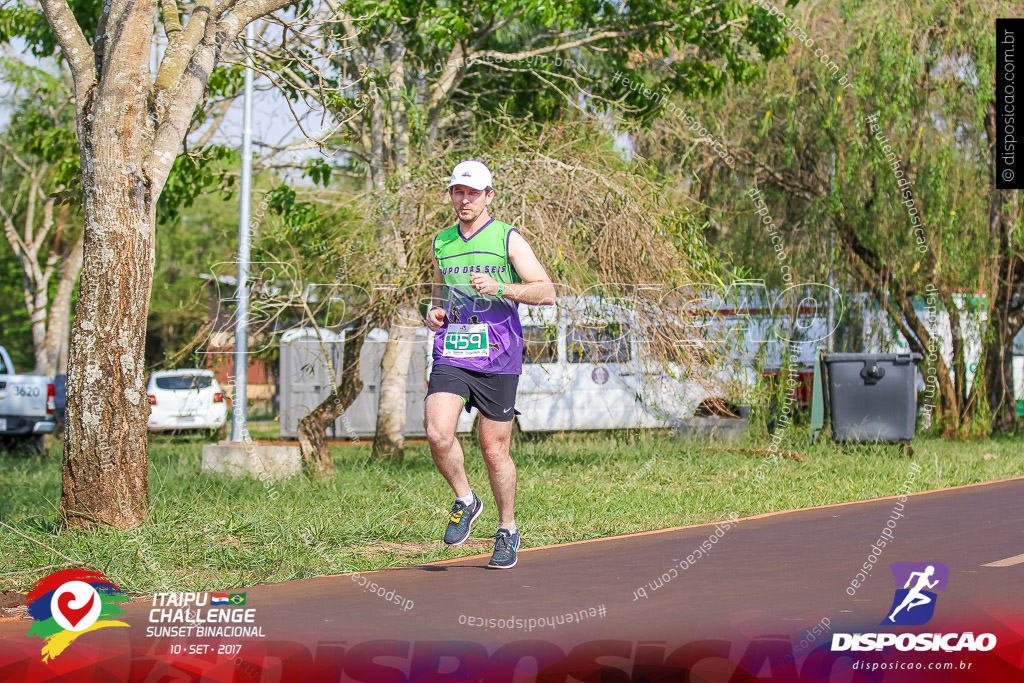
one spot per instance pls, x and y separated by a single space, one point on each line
234 20
572 44
351 37
171 20
220 112
454 69
12 234
181 49
181 84
17 159
284 77
79 55
29 538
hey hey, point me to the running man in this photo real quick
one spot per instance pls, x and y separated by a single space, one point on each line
483 270
915 597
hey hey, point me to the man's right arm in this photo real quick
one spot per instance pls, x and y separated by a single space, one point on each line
435 314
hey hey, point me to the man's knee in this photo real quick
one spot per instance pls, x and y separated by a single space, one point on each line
496 451
439 438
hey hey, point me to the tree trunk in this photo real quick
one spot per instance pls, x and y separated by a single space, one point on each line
35 279
998 379
59 321
402 321
378 145
63 349
105 468
949 412
389 440
396 90
1005 318
316 455
888 291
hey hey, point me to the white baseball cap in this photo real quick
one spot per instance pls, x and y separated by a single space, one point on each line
471 173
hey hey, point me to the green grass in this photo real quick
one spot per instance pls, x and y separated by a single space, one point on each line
212 532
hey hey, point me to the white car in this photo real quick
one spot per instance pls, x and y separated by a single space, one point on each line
185 399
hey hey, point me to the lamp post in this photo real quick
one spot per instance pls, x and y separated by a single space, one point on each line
239 431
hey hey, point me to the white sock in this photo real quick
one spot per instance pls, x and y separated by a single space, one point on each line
512 529
467 500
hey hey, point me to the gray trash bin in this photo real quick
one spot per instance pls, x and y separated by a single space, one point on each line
872 396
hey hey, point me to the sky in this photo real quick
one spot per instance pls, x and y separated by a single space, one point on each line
273 122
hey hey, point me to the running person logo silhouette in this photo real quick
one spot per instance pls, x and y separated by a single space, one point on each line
915 597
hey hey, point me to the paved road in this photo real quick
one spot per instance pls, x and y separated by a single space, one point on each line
740 600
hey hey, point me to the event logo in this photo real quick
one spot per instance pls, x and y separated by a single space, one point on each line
914 603
70 603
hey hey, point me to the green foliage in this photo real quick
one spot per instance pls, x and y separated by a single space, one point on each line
39 133
14 321
303 231
190 244
804 125
22 21
319 171
41 125
884 152
690 238
59 146
694 48
764 31
225 81
301 217
194 173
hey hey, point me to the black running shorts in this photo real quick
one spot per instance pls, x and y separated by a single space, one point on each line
493 395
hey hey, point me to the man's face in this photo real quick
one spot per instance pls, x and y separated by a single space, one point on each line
469 203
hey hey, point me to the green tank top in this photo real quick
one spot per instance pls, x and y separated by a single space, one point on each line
480 332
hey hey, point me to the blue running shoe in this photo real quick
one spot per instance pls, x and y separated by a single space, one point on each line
505 547
461 521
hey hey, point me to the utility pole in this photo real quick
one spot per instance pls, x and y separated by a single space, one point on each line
239 431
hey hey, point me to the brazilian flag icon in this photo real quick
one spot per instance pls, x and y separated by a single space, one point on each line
237 598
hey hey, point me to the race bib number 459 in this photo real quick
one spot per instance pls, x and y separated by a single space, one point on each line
466 341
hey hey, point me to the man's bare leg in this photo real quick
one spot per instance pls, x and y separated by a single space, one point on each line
442 415
496 444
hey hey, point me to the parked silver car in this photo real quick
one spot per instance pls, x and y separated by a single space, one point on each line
26 407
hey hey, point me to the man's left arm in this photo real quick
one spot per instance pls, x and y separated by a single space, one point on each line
535 289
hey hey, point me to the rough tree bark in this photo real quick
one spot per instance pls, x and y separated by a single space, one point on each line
106 470
130 129
59 320
389 439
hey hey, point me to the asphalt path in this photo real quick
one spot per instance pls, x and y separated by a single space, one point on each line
782 582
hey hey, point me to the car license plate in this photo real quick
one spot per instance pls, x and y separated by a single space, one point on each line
3 424
187 418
